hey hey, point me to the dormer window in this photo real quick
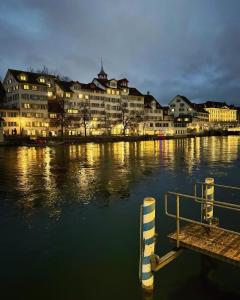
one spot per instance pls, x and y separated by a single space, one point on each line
42 80
23 77
68 95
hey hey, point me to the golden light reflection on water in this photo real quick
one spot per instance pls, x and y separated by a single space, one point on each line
48 178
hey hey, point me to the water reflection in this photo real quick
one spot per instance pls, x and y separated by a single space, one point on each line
50 178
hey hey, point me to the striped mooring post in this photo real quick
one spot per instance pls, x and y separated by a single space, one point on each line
147 242
209 195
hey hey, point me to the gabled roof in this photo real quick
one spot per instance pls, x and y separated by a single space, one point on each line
148 100
134 92
195 106
65 85
31 77
123 80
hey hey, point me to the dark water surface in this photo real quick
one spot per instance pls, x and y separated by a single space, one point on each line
69 219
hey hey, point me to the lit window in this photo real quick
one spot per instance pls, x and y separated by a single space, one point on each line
80 96
72 111
108 91
117 92
26 87
68 95
125 90
23 77
34 87
26 105
113 92
42 80
86 97
50 94
53 116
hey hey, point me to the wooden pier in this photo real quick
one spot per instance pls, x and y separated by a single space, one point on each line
201 233
210 241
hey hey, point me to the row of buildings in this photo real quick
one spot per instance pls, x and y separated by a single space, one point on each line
39 104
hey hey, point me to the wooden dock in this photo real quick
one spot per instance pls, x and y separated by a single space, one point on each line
210 241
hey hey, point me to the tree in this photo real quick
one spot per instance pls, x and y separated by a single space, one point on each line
85 116
46 71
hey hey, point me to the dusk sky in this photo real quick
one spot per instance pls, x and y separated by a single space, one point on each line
167 47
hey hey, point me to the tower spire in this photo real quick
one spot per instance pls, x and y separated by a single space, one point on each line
102 74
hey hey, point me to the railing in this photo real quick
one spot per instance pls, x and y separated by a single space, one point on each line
200 200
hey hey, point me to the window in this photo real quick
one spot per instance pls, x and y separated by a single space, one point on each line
34 87
26 105
26 87
178 100
109 91
2 114
182 104
72 111
80 96
10 124
23 77
86 97
68 95
42 79
50 94
53 116
12 114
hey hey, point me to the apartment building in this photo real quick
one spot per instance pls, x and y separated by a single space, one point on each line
184 111
221 112
11 121
28 92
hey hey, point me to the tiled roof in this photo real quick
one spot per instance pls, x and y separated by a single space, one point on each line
195 106
134 92
148 100
216 104
31 77
65 85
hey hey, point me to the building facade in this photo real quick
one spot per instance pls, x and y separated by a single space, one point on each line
192 114
11 121
28 92
220 112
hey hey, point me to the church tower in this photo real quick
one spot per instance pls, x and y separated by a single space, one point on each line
102 74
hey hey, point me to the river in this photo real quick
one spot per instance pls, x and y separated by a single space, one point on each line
69 218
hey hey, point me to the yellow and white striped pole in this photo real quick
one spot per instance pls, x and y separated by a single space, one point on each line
148 242
209 195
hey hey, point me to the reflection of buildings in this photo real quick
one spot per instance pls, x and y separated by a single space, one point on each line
52 178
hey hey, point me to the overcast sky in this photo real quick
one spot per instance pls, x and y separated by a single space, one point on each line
167 47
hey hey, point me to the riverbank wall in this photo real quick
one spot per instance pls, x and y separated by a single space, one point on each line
26 141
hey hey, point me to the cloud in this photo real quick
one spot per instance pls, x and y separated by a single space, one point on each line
168 47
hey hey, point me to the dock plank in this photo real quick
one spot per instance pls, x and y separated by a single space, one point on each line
214 242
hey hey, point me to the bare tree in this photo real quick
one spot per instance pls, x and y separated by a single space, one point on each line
85 115
46 71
